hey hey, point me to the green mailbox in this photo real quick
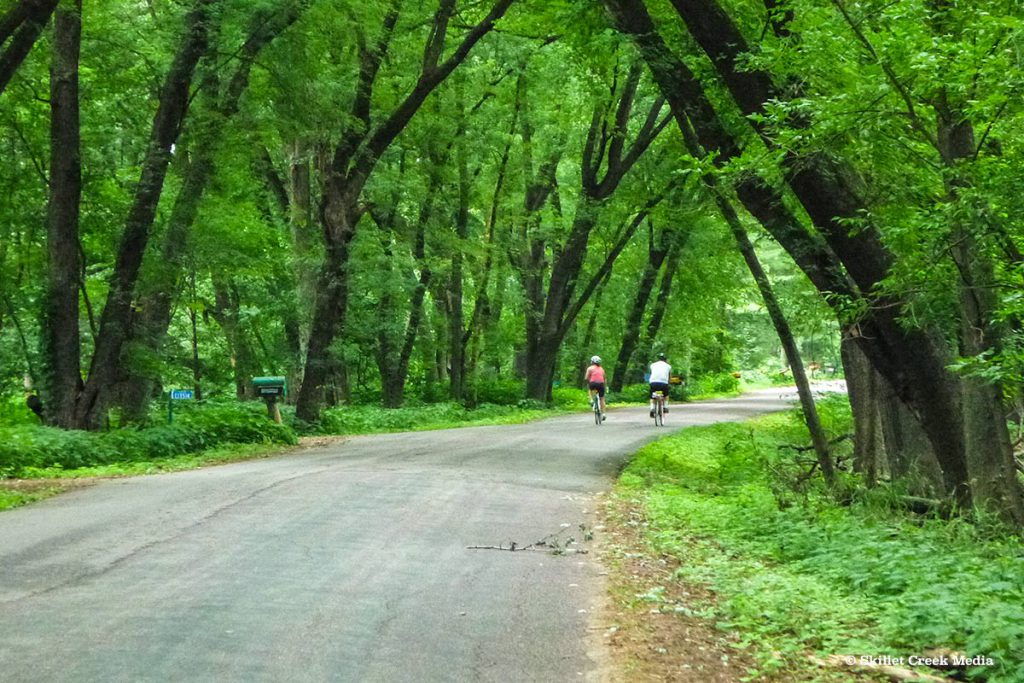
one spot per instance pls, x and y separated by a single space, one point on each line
270 389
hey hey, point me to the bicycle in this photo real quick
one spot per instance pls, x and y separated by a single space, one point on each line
595 403
659 408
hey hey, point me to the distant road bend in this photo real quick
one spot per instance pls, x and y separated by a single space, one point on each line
344 563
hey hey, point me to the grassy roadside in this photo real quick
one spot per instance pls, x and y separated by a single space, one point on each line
61 460
374 420
791 576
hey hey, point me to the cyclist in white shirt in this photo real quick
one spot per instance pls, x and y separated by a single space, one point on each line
661 372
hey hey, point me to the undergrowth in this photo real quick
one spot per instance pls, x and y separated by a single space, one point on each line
27 449
13 499
797 574
372 419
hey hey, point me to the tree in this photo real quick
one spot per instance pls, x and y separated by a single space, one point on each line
552 310
663 247
21 25
910 359
353 161
218 104
91 402
62 337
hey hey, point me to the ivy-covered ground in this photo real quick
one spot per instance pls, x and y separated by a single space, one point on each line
799 586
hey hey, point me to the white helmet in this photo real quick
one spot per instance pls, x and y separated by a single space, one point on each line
596 360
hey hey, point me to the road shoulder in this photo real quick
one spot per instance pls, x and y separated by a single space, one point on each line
649 627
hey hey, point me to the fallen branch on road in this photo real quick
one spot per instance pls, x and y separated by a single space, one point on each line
515 548
548 544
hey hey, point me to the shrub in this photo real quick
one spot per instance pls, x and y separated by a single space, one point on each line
641 393
14 411
570 398
717 383
196 428
504 392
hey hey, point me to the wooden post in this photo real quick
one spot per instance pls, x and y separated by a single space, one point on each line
273 410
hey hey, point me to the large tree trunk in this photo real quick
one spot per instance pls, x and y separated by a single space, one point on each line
552 314
160 285
987 439
61 324
354 161
456 322
328 315
541 358
908 454
888 440
116 317
657 250
910 359
22 24
864 391
545 334
303 233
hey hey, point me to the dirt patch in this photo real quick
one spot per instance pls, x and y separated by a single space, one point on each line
655 626
649 623
310 442
46 485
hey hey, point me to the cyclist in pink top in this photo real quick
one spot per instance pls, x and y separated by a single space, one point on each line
595 381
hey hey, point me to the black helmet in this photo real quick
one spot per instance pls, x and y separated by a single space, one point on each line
661 356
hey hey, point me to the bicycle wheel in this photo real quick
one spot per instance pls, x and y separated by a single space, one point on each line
597 410
659 413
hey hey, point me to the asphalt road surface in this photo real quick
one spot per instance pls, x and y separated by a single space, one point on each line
349 562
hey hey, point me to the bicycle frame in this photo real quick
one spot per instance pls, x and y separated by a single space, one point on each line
659 408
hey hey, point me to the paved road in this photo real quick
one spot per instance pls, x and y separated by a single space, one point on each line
345 563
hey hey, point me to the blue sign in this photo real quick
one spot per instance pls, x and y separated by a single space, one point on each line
180 394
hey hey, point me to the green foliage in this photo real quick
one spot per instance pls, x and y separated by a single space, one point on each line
503 392
23 448
705 386
12 499
570 398
14 411
373 419
716 384
852 580
233 422
634 393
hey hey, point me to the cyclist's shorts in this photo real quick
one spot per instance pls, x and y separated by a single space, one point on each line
660 386
599 386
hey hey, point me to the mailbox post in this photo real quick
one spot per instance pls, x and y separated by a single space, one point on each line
176 395
270 389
